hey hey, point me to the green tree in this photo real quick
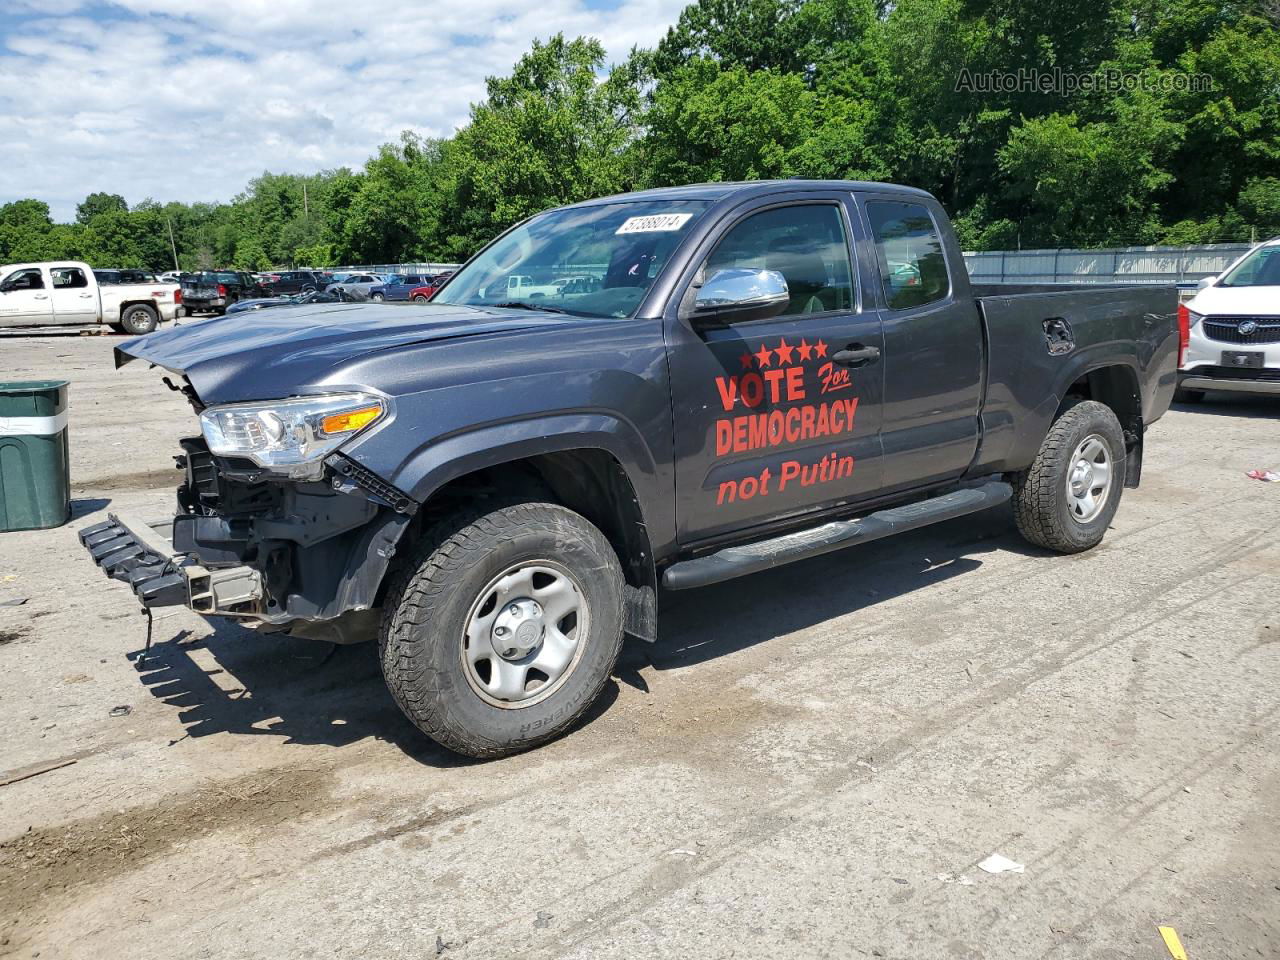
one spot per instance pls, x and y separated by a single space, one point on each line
99 203
551 133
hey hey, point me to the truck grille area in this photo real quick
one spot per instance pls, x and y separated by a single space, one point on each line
1227 329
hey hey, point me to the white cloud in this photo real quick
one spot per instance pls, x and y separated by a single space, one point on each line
188 100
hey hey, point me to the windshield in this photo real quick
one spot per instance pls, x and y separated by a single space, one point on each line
596 261
1261 268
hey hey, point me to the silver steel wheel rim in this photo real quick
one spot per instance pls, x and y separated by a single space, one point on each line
524 634
1089 478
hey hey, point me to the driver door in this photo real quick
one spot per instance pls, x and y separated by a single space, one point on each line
769 426
24 298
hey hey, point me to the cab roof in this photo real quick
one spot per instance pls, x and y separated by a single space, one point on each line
752 188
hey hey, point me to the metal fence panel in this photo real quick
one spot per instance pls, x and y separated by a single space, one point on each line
1111 265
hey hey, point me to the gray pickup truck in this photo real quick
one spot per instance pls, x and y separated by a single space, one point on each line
696 383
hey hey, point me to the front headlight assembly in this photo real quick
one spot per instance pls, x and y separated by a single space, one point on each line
290 436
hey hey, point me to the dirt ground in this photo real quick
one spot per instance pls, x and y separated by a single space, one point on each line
811 762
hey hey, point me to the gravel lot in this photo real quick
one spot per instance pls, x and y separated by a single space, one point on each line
811 762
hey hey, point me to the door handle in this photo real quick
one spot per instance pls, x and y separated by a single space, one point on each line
41 296
856 355
85 296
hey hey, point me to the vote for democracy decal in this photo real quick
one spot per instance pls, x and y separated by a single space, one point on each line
788 394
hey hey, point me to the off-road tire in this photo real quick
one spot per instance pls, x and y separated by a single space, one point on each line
1188 396
1040 501
139 318
428 603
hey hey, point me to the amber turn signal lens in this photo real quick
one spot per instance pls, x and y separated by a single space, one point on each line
349 420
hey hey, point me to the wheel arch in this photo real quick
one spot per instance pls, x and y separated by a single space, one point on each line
125 305
594 469
1115 386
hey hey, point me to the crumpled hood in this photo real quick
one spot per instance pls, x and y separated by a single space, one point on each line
270 354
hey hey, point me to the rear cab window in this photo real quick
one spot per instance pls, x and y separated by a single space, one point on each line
909 255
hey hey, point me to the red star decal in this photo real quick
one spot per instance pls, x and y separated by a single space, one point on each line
820 348
784 351
745 360
765 356
804 350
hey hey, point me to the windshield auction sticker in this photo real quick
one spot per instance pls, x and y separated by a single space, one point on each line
655 223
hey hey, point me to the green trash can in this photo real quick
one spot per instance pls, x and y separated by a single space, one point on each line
35 480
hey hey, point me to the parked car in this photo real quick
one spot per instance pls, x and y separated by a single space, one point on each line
357 285
430 285
65 293
495 488
170 276
295 300
399 287
127 275
296 281
1234 329
215 290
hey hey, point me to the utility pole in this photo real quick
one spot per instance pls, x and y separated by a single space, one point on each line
172 246
306 211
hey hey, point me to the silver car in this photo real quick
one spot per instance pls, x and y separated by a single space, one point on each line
356 286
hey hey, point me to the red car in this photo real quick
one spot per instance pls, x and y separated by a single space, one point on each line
425 292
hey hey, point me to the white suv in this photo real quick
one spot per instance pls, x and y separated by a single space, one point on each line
1234 324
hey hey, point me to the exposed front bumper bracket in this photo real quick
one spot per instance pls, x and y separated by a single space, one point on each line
138 557
142 556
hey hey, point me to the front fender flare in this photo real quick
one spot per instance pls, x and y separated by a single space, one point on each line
435 464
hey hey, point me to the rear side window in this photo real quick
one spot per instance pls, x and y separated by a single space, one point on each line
68 278
913 270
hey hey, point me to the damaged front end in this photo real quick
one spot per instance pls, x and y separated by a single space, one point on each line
301 547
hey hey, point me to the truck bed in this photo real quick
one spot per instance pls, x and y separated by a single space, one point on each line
1041 338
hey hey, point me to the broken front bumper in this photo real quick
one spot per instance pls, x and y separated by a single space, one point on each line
142 556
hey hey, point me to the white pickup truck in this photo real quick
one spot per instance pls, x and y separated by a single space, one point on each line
66 294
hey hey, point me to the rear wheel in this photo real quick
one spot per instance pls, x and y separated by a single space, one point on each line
139 318
419 299
504 627
1068 497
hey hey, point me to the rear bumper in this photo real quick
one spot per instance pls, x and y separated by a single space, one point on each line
1193 382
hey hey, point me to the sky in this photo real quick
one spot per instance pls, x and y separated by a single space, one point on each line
190 99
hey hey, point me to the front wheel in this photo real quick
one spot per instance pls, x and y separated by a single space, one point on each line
1068 497
419 299
376 298
503 628
139 319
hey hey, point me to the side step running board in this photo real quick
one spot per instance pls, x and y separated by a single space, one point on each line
767 554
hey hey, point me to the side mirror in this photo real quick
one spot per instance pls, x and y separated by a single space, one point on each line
739 295
1204 282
